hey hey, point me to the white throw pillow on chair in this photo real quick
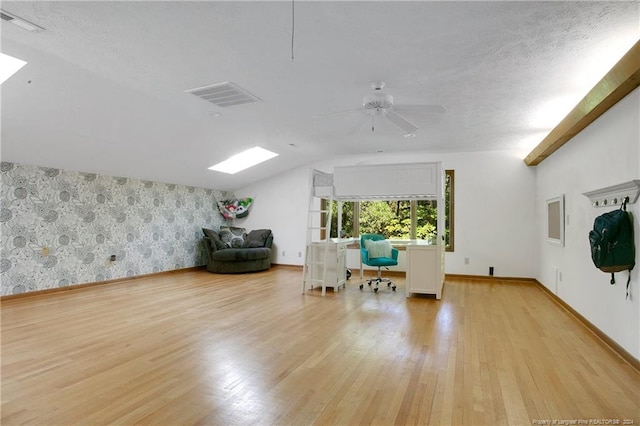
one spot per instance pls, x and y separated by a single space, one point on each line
380 248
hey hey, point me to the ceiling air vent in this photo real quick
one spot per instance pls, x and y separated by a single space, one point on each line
22 23
224 94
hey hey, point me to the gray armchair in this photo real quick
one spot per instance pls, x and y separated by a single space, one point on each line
232 251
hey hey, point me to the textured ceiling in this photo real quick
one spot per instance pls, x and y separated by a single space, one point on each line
104 88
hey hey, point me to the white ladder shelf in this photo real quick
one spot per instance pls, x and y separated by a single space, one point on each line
315 267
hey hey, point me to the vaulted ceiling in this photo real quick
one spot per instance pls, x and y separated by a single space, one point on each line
104 87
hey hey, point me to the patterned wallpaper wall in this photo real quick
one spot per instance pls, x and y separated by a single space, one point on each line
59 228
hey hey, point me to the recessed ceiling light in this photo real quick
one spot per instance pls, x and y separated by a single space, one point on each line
409 135
605 54
243 160
9 66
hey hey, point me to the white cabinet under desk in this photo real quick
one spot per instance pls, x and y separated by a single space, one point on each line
336 262
425 268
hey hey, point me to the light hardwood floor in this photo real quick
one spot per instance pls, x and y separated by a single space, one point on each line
198 348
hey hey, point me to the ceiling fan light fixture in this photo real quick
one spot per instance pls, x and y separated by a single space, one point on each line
381 105
377 101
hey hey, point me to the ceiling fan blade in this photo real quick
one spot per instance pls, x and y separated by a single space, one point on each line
356 129
400 122
431 109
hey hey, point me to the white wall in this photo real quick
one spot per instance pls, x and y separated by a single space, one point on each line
605 153
494 210
280 204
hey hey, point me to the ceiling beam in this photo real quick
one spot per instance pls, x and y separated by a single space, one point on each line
623 78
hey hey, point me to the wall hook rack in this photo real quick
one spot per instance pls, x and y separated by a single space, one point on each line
615 195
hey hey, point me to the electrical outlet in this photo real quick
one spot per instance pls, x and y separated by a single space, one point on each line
282 253
299 254
560 276
466 260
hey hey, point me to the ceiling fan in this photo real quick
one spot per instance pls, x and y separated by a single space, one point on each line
379 104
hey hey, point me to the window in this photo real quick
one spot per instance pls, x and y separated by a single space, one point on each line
398 219
389 218
348 217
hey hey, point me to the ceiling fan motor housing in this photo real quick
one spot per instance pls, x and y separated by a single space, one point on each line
377 101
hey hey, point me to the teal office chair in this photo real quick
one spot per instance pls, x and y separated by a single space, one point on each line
379 254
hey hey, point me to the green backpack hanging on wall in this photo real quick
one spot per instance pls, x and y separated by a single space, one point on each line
612 246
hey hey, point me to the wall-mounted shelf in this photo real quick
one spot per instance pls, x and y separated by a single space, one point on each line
614 195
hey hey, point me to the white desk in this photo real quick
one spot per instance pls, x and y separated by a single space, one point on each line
425 267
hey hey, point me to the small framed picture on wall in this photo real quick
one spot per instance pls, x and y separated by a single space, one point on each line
555 220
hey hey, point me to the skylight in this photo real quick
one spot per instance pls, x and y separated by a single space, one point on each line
243 160
9 66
